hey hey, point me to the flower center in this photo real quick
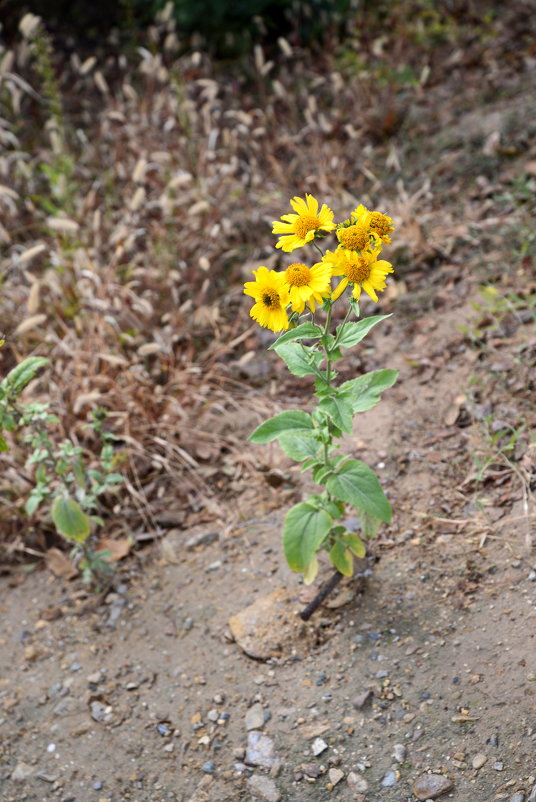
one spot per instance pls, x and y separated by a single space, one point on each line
298 275
270 299
306 223
380 223
354 237
358 272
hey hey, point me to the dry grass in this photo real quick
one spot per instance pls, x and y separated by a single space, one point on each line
129 220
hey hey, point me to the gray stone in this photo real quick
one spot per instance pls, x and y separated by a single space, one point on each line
335 776
532 797
357 783
430 786
264 788
260 750
46 777
498 765
360 701
255 717
478 761
100 712
389 779
209 767
22 771
399 753
201 539
318 746
519 797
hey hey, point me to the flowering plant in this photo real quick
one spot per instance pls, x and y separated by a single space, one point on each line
288 302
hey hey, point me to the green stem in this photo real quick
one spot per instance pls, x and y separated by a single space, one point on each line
341 329
320 251
328 376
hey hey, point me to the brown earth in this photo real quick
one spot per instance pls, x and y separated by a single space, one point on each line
423 663
442 634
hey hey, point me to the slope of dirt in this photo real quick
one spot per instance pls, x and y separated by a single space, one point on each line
423 666
143 695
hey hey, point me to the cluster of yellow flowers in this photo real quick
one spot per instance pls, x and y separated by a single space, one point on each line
355 260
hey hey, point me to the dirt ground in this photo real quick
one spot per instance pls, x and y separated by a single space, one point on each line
143 695
420 668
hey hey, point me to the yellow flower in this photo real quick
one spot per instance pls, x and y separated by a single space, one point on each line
362 271
380 225
355 237
300 228
271 299
307 284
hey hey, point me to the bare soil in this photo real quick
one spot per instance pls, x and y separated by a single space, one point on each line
141 693
441 633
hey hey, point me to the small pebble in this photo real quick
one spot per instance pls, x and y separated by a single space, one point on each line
357 783
430 786
389 779
162 730
335 776
519 797
98 786
399 752
255 717
498 765
264 788
478 761
209 767
358 702
318 746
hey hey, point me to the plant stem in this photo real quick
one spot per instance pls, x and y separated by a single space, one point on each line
324 591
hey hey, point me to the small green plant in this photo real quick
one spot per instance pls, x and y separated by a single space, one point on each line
63 479
498 448
493 307
310 348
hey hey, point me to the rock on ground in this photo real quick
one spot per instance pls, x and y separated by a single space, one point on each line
430 786
264 788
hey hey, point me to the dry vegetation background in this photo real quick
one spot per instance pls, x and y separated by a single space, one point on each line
137 193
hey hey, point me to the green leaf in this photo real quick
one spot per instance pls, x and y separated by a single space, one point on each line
293 420
355 544
3 445
366 390
349 334
339 408
33 501
310 571
307 331
342 559
114 478
300 360
79 473
369 524
22 374
70 520
310 463
320 473
304 530
299 446
356 484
